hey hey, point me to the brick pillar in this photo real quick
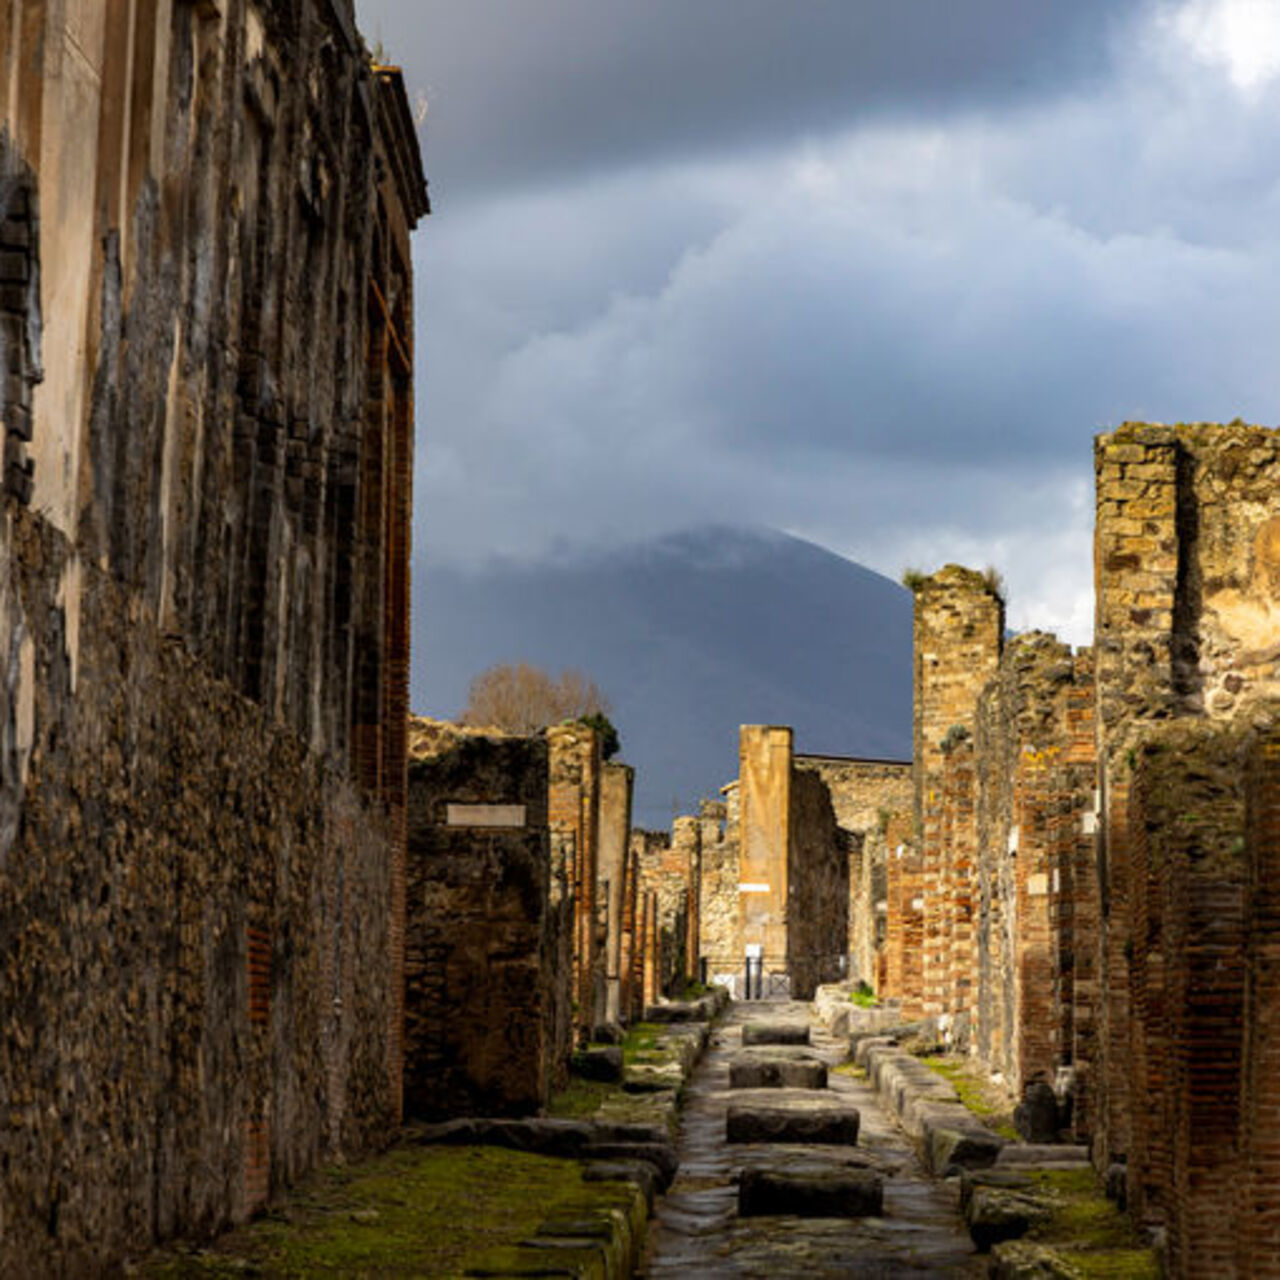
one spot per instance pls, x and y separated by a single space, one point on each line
1186 899
1136 564
959 622
1259 1212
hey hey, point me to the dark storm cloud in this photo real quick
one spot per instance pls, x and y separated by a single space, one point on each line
527 91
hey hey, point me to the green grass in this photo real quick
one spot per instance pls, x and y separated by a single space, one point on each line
864 997
414 1211
640 1039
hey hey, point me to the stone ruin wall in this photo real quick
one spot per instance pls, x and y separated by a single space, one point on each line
487 1029
617 782
205 316
667 864
1188 593
1036 987
1126 813
720 926
575 769
818 887
872 801
959 626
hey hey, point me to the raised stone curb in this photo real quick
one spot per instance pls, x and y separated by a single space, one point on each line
830 1126
704 1009
821 1193
599 1239
831 1003
948 1134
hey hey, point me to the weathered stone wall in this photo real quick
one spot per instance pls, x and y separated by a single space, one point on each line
1035 770
1186 549
576 765
194 917
867 796
616 784
959 625
720 926
206 327
486 1029
818 887
665 878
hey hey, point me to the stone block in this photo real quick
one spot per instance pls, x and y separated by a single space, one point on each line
996 1214
777 1073
603 1062
660 1155
775 1033
1036 1116
838 1126
819 1193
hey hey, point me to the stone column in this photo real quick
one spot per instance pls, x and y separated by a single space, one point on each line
616 782
764 775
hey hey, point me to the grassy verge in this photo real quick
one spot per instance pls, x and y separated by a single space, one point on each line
415 1211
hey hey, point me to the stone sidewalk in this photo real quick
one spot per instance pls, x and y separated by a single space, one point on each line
697 1231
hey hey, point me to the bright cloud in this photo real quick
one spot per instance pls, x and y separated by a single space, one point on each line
1240 36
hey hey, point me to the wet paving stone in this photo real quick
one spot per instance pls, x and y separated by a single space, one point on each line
698 1232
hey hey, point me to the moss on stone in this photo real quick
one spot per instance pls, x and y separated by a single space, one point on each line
412 1211
1088 1231
989 1103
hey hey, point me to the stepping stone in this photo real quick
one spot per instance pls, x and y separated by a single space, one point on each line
775 1124
775 1033
777 1073
821 1193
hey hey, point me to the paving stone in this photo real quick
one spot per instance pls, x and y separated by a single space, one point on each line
780 1124
777 1073
775 1033
819 1193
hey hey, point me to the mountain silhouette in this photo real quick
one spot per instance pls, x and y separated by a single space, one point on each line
689 635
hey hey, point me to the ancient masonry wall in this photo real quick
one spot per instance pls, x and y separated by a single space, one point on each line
206 334
869 798
720 926
818 876
485 1030
1187 555
574 814
959 624
616 784
665 869
1035 763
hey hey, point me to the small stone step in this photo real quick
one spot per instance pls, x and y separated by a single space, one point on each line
831 1125
775 1033
825 1193
777 1073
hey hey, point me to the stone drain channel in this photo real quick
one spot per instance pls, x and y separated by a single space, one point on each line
791 1195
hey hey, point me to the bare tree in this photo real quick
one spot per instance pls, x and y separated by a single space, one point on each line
522 698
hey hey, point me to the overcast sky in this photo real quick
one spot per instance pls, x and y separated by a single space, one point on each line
873 272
